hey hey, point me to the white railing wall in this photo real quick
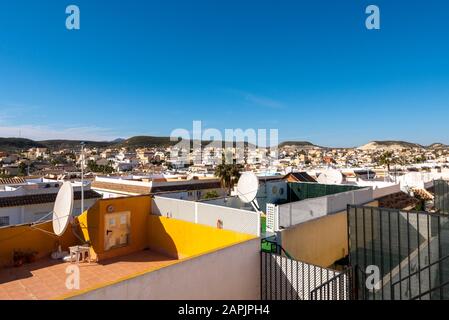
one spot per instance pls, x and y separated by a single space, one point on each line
301 211
243 221
385 191
237 220
173 208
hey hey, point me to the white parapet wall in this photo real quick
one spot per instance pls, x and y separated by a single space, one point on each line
301 211
232 273
174 208
237 220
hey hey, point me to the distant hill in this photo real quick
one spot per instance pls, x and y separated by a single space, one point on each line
74 144
14 144
390 145
438 146
298 144
149 141
19 144
146 141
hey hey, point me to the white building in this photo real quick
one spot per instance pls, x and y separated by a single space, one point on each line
26 201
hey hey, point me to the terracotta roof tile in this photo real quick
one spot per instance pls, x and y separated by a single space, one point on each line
119 187
12 181
125 188
300 177
187 187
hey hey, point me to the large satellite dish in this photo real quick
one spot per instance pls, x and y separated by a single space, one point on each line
63 208
330 176
247 187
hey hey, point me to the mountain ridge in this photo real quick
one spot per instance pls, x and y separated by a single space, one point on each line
16 144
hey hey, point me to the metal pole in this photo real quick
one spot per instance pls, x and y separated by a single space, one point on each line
82 177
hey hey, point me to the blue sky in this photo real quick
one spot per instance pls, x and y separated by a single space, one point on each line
308 68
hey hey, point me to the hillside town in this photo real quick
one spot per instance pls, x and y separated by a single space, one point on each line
66 162
132 212
223 155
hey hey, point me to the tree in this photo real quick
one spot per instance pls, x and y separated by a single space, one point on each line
22 169
228 174
94 167
420 159
386 159
211 195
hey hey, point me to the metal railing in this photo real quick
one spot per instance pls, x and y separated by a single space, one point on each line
340 287
441 196
283 278
409 248
407 279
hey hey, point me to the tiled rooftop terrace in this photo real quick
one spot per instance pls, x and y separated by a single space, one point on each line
45 279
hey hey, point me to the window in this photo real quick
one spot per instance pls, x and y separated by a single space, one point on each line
4 221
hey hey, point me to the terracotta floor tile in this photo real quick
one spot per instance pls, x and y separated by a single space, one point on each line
45 279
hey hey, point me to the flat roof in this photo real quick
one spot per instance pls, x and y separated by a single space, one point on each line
31 199
45 279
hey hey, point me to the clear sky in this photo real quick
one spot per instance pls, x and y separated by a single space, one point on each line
308 68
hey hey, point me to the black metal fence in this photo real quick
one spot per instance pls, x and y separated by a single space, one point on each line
408 250
441 196
283 278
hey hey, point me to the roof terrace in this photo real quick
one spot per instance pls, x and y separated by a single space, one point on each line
139 252
45 279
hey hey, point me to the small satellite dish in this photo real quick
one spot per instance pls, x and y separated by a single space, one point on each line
330 176
247 187
63 208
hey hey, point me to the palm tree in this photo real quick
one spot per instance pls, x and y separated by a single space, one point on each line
386 159
228 174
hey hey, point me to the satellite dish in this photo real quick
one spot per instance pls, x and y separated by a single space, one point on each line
63 208
247 187
330 176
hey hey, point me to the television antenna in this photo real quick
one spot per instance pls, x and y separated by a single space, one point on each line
247 188
82 177
330 176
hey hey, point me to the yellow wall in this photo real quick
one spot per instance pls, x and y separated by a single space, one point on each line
321 241
176 238
138 206
180 239
24 238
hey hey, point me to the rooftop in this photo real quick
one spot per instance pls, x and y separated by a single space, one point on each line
45 278
32 199
135 187
128 239
13 181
